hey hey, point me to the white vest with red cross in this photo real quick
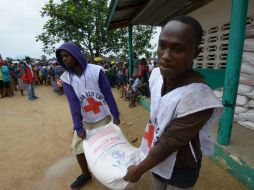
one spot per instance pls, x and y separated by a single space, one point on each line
177 103
86 87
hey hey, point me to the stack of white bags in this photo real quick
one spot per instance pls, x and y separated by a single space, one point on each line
244 110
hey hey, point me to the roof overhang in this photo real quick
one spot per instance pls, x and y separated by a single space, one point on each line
122 13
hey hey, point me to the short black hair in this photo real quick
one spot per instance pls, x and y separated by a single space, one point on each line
193 23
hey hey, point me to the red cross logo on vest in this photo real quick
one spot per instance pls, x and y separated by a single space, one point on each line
93 106
149 135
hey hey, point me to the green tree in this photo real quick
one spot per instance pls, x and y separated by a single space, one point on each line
44 58
8 59
83 22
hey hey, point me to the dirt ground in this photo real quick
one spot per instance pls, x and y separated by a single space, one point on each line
35 145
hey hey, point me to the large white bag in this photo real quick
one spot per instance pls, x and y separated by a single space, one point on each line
250 94
248 57
250 104
248 116
109 154
247 68
248 45
241 100
240 109
244 89
247 124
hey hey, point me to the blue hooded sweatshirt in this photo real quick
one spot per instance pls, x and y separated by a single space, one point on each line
70 93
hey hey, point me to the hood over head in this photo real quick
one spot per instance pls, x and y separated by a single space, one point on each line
74 50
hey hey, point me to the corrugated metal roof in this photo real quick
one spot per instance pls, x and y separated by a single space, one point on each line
148 12
122 12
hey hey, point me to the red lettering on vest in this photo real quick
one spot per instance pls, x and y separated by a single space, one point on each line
149 136
93 106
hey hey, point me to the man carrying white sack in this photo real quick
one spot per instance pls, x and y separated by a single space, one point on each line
90 99
182 110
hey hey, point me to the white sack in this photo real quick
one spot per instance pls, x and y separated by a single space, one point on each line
109 154
236 117
244 89
248 57
249 33
248 45
243 78
250 104
247 68
250 94
246 79
247 76
240 109
249 116
247 124
241 100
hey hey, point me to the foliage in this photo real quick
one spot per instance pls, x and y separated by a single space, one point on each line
8 59
44 58
83 22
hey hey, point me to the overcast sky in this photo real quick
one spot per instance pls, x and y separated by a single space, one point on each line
20 23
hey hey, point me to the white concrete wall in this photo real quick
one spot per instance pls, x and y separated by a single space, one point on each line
216 14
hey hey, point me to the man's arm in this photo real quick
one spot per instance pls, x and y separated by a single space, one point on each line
75 109
109 98
181 132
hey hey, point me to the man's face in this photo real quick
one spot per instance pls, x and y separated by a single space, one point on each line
176 49
68 59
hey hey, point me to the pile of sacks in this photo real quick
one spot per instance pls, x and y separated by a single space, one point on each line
244 110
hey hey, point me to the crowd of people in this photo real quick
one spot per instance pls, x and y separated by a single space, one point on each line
131 87
24 75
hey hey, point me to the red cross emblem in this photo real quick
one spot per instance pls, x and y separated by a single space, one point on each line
93 106
149 135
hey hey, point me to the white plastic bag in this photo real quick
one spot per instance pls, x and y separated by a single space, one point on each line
247 124
247 68
109 154
248 45
248 116
250 104
241 100
250 94
243 89
240 109
248 57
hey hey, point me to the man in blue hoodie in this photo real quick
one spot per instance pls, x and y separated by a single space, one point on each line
90 99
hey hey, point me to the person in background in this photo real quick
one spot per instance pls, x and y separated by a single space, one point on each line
143 88
135 93
6 80
1 79
21 85
29 77
150 66
135 63
183 109
90 99
58 71
128 91
143 68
